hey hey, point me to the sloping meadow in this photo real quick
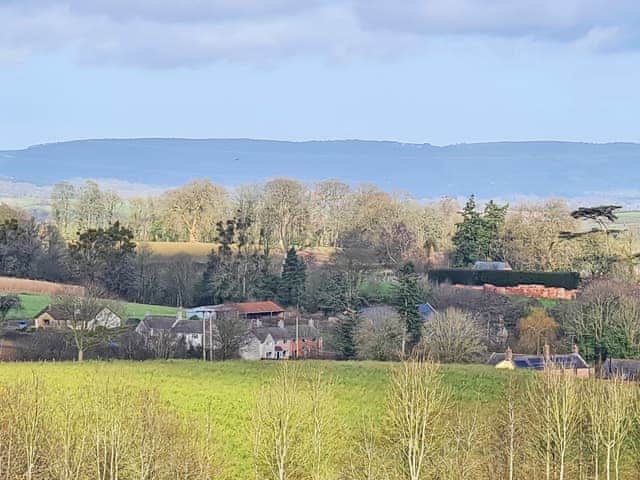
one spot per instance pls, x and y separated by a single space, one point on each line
310 420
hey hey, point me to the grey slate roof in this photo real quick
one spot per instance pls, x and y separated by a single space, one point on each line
536 362
625 368
491 266
286 333
159 322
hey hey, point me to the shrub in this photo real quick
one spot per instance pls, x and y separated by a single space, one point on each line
452 337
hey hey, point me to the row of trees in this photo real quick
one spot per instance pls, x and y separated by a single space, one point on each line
544 237
282 213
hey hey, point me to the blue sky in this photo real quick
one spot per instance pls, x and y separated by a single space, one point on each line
437 71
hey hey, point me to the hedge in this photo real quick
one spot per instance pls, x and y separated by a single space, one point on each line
505 278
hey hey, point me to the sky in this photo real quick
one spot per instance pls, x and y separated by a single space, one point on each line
424 71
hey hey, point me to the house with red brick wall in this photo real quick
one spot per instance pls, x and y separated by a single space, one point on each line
283 342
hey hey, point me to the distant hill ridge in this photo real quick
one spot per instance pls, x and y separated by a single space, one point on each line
501 169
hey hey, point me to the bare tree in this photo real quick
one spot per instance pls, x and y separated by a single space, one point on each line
285 207
194 208
605 319
328 211
554 419
63 197
416 406
278 422
380 334
79 314
368 459
231 333
452 337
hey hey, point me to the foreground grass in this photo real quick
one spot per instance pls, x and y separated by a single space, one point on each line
229 390
33 304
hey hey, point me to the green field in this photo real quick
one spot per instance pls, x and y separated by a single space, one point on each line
33 304
228 390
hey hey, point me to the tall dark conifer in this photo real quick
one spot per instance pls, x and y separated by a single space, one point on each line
292 280
406 298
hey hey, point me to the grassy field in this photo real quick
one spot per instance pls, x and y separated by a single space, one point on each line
229 390
32 304
199 250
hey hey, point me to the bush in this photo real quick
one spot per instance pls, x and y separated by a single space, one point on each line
452 337
505 278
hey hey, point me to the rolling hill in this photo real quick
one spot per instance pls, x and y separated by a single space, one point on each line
502 170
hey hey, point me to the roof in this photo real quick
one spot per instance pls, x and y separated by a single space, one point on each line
189 327
618 367
426 310
170 323
491 266
537 362
248 308
60 312
377 312
286 333
159 322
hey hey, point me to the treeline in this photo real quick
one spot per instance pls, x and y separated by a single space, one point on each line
283 212
548 425
94 239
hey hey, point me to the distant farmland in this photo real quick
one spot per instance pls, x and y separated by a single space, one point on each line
33 304
200 250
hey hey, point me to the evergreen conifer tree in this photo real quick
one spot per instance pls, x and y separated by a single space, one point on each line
406 298
292 280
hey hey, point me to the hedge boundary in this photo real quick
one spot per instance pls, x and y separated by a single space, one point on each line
505 278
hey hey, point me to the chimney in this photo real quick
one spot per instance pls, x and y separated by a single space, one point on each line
546 352
575 349
281 323
508 355
312 324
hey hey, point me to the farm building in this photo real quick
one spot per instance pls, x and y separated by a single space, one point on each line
279 343
247 310
58 316
570 362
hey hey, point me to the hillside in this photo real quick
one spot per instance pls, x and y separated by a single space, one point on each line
508 169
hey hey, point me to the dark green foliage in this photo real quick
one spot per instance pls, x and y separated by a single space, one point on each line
407 296
106 257
344 334
292 279
8 303
237 270
476 236
505 278
19 248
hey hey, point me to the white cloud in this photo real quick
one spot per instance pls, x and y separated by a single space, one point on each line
166 33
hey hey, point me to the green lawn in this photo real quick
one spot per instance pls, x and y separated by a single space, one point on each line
228 390
32 304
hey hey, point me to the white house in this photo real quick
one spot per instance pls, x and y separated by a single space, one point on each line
57 316
191 331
